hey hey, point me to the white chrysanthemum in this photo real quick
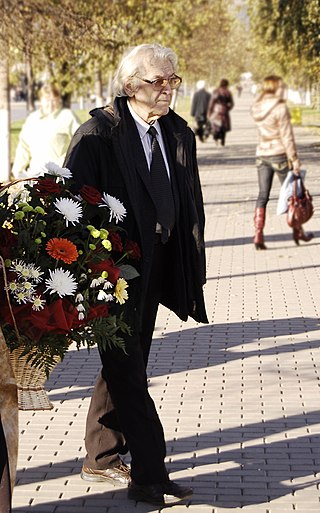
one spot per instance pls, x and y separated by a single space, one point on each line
62 282
55 170
71 210
117 210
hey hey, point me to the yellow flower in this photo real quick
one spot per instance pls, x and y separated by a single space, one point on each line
95 233
107 244
103 233
120 292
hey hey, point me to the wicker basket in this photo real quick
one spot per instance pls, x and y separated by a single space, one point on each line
30 382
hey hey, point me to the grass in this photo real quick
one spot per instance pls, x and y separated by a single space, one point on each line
306 116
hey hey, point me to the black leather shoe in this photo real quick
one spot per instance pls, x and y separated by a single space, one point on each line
166 494
117 475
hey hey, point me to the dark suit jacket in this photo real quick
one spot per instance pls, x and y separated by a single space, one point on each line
106 152
199 105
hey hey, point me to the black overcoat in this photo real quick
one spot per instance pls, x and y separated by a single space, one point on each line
106 152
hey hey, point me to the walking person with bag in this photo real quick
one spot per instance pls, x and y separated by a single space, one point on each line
220 104
276 152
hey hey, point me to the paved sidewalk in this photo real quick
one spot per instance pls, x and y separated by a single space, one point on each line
239 398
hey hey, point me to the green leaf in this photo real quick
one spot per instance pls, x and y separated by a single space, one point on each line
128 272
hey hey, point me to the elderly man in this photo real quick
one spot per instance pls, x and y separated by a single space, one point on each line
141 152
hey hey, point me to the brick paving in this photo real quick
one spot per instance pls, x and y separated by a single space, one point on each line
239 398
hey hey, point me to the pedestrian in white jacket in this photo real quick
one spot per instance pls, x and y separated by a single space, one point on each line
45 135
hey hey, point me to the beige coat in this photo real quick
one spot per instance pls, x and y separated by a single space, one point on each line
275 132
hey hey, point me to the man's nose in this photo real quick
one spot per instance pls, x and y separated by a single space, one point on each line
167 88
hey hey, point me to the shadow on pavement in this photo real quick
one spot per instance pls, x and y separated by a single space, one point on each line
213 344
273 468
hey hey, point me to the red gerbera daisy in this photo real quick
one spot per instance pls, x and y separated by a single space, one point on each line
62 249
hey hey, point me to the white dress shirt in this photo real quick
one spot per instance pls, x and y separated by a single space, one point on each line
143 128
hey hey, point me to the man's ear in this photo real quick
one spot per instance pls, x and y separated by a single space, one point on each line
129 89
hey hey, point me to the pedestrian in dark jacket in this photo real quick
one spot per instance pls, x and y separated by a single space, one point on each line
116 152
199 108
220 104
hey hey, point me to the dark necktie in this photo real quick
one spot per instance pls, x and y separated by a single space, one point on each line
161 187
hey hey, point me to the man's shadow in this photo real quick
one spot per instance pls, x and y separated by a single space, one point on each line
258 471
205 346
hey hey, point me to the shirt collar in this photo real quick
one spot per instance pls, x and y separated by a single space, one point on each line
142 125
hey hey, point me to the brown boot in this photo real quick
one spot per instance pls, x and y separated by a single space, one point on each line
259 220
299 234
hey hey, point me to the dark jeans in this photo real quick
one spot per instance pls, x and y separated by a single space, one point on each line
267 167
219 133
201 129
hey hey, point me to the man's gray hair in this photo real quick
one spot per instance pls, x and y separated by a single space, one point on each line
132 64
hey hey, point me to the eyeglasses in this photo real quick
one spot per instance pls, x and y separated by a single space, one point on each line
160 83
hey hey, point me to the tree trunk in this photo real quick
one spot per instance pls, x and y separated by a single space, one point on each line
99 89
30 83
5 164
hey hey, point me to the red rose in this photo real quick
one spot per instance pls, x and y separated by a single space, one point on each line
58 317
7 241
133 250
90 194
107 265
47 186
97 311
116 241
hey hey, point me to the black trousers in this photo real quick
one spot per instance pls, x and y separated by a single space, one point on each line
122 415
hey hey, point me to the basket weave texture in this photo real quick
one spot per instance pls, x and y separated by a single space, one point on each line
30 382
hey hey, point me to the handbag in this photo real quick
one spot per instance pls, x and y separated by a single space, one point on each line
286 191
218 114
300 208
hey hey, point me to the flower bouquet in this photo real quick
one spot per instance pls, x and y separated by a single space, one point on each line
64 262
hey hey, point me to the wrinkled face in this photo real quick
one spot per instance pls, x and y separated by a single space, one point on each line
148 103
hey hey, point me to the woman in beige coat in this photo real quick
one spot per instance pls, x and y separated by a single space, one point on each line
276 151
